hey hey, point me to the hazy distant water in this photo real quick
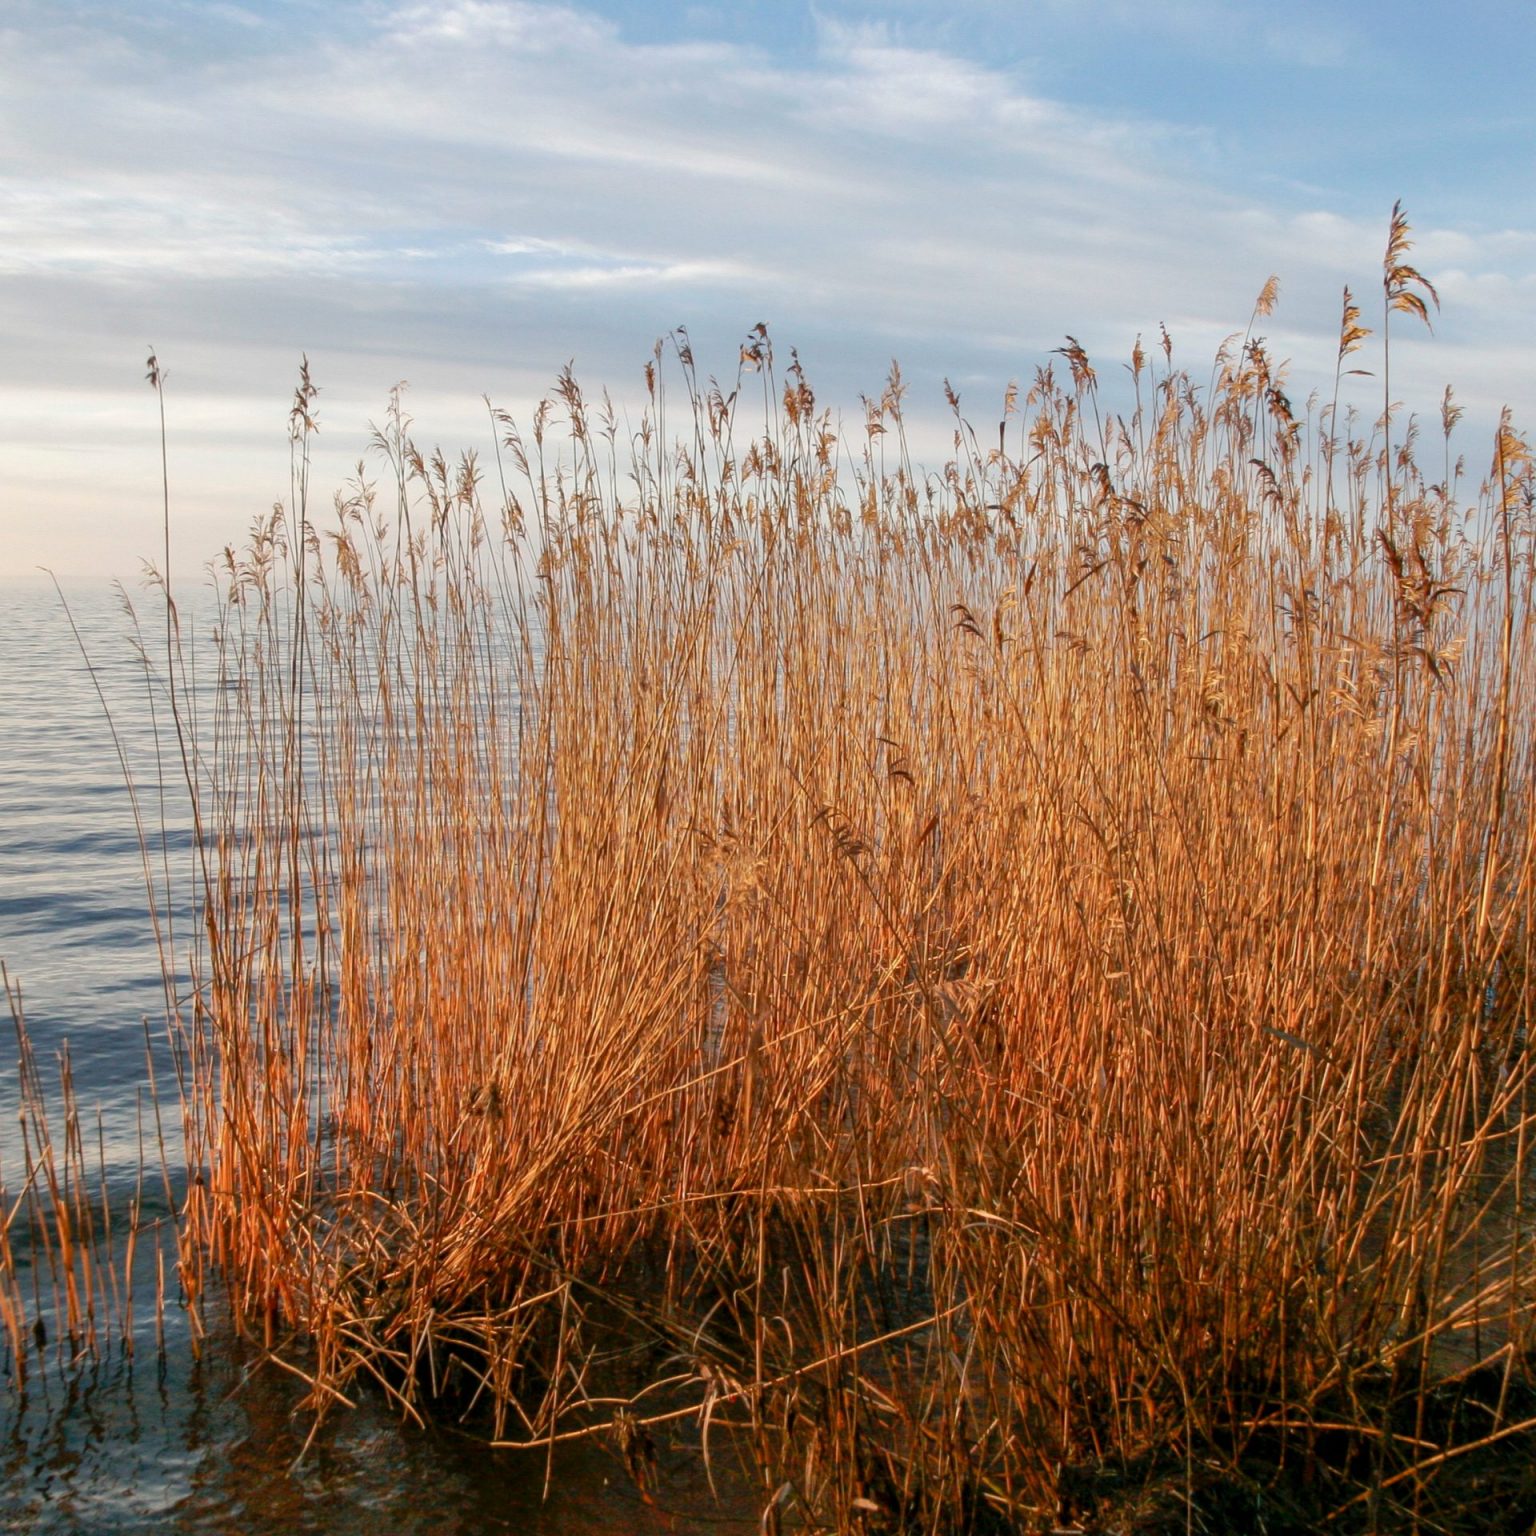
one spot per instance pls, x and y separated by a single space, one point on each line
174 1445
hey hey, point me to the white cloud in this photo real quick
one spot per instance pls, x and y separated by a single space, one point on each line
473 191
643 274
883 88
528 27
121 229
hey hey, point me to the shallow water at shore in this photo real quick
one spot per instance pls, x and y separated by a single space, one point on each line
173 1444
220 1446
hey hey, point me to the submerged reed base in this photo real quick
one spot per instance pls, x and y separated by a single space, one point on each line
1000 998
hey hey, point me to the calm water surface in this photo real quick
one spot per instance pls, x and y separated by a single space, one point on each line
170 1443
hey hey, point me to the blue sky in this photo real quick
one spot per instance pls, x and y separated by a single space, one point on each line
468 194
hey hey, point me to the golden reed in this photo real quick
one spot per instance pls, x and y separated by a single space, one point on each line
996 996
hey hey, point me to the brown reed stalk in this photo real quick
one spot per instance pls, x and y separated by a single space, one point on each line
1006 995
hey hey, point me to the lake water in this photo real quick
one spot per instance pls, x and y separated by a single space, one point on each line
167 1442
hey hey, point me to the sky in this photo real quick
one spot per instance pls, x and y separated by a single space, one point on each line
467 196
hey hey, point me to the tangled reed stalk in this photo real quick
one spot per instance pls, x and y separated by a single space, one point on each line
1002 996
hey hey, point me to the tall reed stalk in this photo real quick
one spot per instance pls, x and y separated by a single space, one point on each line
1008 989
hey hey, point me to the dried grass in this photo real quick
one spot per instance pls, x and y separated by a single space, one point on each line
1008 989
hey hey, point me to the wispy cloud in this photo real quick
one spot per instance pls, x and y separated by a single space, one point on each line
637 274
118 230
474 191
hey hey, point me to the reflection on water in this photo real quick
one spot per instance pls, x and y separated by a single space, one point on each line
220 1446
176 1445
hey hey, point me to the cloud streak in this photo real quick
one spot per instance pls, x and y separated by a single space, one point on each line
473 193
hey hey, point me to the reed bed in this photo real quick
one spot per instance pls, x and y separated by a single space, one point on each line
999 998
